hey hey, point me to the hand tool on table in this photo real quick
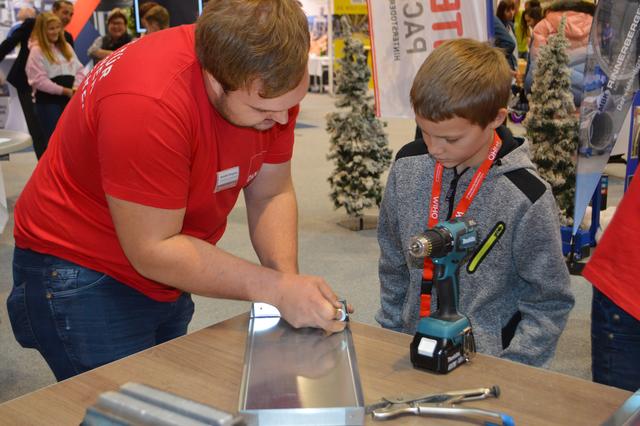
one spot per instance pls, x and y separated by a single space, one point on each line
444 339
443 405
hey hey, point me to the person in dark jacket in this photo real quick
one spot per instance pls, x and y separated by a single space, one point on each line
17 75
504 37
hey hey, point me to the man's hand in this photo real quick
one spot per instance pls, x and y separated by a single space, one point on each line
308 301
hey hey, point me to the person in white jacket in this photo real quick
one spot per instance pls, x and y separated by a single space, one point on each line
53 70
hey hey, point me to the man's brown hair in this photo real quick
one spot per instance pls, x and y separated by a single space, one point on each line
239 41
58 4
464 78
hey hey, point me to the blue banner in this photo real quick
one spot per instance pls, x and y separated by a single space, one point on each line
609 86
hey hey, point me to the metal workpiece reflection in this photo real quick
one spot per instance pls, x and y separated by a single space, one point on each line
299 376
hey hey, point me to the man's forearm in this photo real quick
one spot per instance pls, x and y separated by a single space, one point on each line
198 267
273 226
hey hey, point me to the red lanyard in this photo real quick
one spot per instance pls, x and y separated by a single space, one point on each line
461 208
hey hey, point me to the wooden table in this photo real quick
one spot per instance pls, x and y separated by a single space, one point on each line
206 366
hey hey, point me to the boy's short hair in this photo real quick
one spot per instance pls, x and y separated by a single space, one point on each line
145 7
464 78
239 41
158 15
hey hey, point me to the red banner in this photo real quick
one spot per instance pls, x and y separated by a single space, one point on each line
82 11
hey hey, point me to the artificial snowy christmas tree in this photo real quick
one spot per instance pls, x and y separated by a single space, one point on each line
552 125
359 147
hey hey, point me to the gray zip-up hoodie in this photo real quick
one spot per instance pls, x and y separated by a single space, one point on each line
520 283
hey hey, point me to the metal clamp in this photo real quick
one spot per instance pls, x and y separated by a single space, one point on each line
441 405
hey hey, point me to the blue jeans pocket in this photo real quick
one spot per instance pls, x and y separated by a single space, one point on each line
19 318
74 294
65 281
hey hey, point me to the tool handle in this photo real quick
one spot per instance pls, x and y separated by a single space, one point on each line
507 420
446 286
489 418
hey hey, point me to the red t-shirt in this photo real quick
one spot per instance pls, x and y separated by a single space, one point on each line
141 128
613 268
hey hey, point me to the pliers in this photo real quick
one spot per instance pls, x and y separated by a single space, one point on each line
442 405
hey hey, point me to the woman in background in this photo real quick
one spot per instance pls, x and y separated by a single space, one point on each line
503 31
116 37
53 70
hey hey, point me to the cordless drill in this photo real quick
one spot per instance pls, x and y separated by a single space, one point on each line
444 340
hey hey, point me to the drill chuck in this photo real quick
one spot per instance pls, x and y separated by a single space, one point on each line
434 243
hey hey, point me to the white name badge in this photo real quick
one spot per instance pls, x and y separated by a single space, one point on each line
228 178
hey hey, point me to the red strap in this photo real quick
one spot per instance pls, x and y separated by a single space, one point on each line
461 208
425 305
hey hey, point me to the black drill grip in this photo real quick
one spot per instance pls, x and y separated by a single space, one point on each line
446 290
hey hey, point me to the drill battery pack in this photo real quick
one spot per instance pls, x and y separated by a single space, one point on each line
441 354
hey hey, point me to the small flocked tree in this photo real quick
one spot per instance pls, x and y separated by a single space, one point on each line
552 125
358 144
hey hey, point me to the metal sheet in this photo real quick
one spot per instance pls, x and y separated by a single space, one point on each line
298 376
628 414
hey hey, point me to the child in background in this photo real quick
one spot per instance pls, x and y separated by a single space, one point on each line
53 70
515 287
522 28
531 16
155 19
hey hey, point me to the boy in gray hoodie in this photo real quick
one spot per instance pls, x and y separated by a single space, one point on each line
515 287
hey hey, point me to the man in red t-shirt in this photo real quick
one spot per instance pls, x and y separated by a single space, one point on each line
119 222
615 310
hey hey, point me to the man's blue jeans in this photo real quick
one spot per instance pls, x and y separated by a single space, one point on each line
80 319
615 344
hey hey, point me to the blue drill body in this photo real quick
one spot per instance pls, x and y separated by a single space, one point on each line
444 340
